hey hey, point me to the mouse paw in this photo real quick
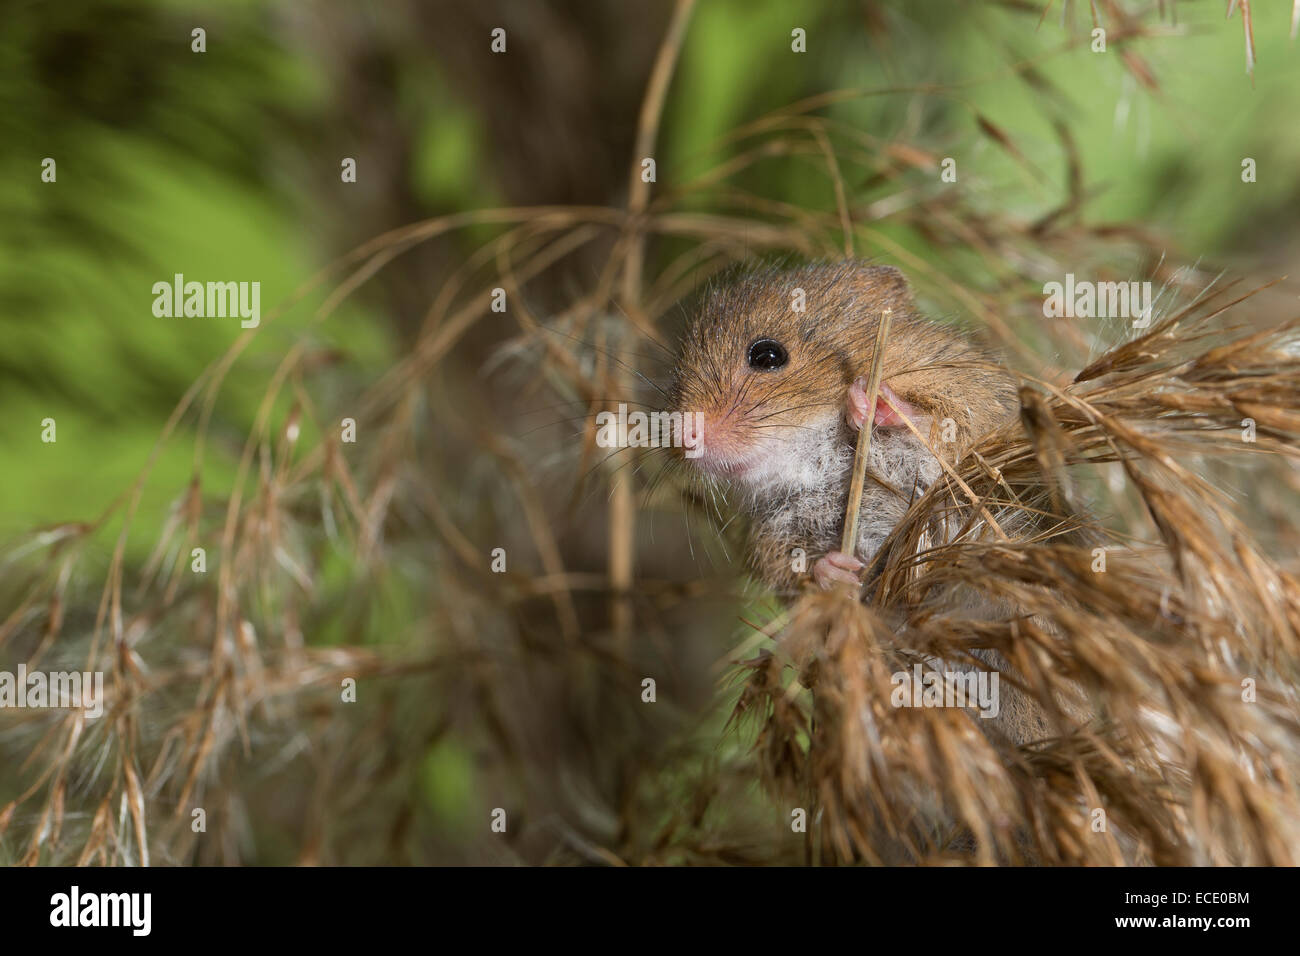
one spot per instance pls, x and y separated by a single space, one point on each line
835 567
857 408
890 411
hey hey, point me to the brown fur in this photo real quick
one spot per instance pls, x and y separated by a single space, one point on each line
830 344
795 411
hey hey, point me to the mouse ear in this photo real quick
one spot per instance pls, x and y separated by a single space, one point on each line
887 285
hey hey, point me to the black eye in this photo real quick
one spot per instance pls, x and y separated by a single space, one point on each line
767 355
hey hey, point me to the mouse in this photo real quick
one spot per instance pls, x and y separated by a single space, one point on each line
778 394
774 367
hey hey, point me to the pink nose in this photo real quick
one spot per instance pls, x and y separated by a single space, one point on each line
692 431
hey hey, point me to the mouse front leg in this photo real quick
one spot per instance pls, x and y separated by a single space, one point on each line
889 412
781 563
836 567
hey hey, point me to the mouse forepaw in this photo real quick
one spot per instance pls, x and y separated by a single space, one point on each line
837 567
857 407
890 409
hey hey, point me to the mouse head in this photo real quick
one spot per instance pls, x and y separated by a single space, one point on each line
768 360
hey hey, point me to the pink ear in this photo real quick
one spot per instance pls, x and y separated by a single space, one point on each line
887 416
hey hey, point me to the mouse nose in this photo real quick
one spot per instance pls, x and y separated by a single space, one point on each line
692 431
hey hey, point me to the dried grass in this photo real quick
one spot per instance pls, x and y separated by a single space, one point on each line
1188 769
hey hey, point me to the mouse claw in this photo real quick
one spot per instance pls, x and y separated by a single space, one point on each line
837 567
857 406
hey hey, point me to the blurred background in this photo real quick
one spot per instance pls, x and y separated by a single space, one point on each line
520 690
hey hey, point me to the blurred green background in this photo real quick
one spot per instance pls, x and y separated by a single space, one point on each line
225 164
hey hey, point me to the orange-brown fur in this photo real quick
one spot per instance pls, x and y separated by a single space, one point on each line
787 429
830 344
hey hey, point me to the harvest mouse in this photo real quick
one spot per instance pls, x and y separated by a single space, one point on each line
778 394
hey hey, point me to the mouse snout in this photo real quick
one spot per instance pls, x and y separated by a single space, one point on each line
716 443
692 433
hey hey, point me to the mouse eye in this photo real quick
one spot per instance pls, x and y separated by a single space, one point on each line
767 355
